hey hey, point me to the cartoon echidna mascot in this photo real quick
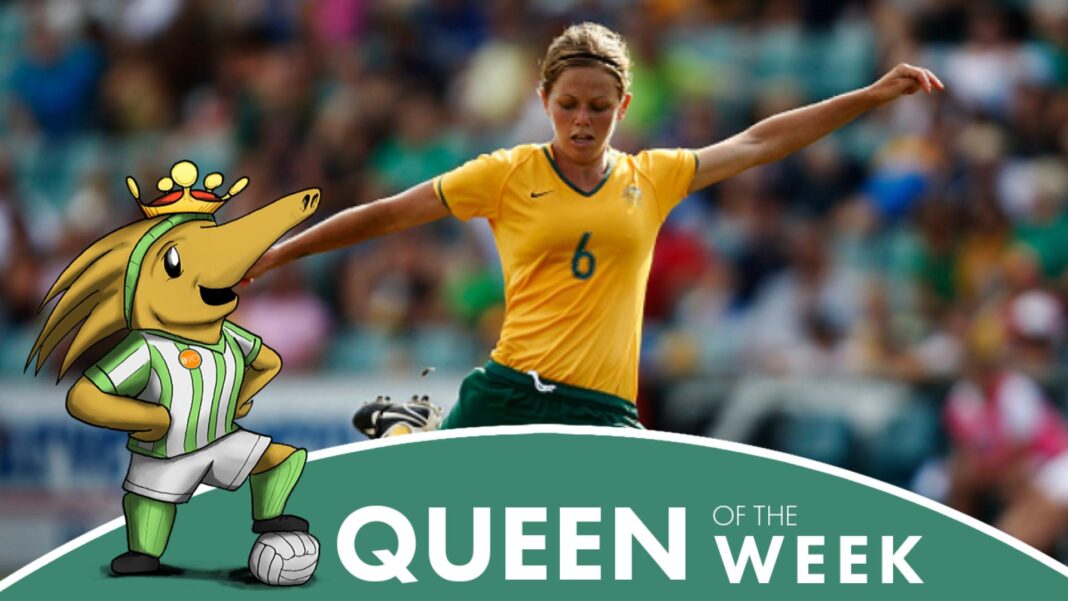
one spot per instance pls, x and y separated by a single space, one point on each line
182 376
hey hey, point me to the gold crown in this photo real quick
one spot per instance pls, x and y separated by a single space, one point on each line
185 199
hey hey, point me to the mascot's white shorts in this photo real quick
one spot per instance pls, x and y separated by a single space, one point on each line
225 463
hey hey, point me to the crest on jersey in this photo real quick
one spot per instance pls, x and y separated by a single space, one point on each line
633 195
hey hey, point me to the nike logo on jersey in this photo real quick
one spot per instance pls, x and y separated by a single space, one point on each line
537 194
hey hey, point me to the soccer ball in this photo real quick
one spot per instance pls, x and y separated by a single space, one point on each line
284 558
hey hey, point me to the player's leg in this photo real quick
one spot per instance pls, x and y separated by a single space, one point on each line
148 528
273 479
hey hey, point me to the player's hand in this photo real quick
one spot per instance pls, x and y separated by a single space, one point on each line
162 418
903 80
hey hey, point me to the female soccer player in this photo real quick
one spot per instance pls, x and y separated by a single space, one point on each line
575 222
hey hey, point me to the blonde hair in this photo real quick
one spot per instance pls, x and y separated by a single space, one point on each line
587 45
92 288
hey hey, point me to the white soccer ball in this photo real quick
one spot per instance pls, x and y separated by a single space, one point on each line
284 558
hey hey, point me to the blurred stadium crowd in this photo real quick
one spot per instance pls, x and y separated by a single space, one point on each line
824 305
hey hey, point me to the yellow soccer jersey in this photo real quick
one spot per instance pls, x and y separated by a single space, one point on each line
575 264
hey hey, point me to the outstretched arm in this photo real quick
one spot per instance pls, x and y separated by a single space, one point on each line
415 206
781 135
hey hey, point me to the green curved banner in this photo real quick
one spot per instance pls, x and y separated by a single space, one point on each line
575 512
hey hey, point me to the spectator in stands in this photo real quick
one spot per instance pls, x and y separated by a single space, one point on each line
1010 444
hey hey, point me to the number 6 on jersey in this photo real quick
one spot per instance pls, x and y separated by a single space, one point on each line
583 262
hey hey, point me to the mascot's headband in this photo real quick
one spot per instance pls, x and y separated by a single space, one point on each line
137 257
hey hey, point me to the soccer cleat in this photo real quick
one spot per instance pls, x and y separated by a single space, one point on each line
282 523
132 562
382 417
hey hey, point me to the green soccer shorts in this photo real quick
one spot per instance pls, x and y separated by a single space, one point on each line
496 395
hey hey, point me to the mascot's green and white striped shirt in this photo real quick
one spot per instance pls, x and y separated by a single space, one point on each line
197 383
